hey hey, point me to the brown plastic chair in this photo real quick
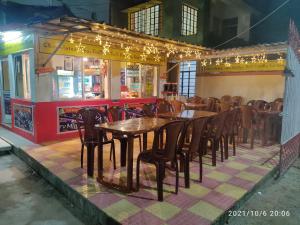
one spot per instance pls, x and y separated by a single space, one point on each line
177 106
86 120
115 113
214 135
188 150
210 104
149 109
195 99
248 117
164 107
226 98
160 156
260 104
237 101
230 130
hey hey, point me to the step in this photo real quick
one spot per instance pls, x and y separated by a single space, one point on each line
4 147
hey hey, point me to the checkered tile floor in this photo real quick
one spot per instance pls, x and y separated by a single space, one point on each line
201 204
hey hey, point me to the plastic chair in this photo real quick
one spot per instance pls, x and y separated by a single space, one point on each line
160 156
86 120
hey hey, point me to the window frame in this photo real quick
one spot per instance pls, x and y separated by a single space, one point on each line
182 78
146 20
189 20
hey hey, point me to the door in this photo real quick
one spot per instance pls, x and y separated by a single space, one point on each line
5 93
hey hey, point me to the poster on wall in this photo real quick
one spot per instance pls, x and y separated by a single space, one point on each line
67 117
7 105
23 117
68 63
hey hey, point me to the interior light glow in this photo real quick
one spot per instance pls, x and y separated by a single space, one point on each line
11 36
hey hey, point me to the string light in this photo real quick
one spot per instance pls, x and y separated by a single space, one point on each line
143 57
80 47
106 48
71 40
98 39
157 58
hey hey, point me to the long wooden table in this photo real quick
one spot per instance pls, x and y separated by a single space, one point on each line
130 128
195 106
187 114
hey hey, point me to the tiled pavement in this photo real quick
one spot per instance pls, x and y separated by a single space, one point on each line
202 203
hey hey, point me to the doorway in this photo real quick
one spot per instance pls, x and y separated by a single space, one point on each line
5 93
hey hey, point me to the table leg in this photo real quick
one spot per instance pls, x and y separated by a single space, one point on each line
90 160
145 141
123 151
100 156
130 163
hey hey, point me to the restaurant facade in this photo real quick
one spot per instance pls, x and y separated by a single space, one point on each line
51 70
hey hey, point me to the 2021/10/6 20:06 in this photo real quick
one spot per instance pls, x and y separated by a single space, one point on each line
271 213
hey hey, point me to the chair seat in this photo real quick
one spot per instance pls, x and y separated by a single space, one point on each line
148 157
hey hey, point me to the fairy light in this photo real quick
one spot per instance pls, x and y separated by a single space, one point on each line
80 47
143 57
106 48
204 63
71 40
197 54
157 58
98 39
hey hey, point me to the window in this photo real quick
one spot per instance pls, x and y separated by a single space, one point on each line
189 20
78 77
229 28
187 80
146 21
22 76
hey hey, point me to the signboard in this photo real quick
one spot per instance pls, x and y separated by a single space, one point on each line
48 45
271 65
25 42
67 117
23 117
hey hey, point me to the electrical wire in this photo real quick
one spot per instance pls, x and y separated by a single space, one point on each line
254 25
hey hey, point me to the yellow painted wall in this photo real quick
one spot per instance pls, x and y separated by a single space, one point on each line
266 87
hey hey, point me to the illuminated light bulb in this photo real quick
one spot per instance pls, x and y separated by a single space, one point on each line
85 59
218 62
106 48
237 59
204 63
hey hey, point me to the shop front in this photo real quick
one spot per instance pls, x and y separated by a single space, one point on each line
48 75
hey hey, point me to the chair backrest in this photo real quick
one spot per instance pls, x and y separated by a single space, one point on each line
177 106
164 107
149 109
251 102
173 131
115 113
86 119
210 104
133 113
232 120
237 100
217 124
226 99
198 128
260 104
248 114
274 106
195 99
225 106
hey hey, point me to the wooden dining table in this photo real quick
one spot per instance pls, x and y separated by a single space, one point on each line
194 106
130 128
187 114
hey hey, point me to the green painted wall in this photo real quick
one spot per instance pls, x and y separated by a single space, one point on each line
172 18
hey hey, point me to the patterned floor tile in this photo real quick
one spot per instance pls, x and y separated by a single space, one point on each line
216 175
231 190
163 210
188 218
249 176
196 190
206 210
142 218
201 204
121 210
219 200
